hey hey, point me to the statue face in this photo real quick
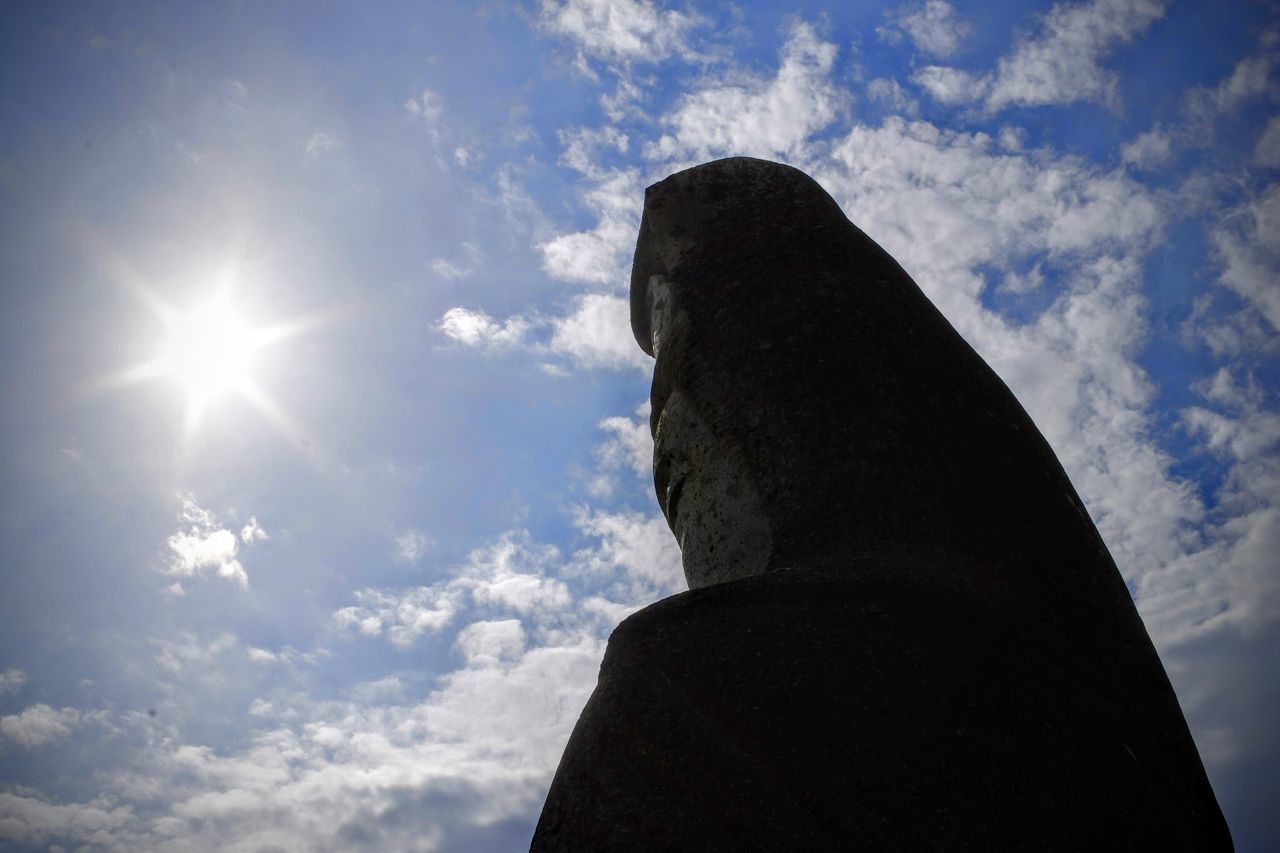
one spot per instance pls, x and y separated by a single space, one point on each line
709 498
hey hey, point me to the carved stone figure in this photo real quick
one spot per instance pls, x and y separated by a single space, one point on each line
903 630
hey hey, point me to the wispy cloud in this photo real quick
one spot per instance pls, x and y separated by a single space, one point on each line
1058 63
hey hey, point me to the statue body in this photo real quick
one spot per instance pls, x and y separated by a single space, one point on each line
903 630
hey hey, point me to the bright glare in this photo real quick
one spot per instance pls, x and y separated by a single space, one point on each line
209 350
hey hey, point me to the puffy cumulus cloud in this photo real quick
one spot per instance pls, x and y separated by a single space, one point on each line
1058 64
635 550
187 652
630 443
513 574
746 114
477 329
1249 79
253 532
100 823
598 334
491 642
1247 242
39 725
401 616
891 94
600 255
1149 149
620 31
1230 579
932 26
510 574
206 547
11 681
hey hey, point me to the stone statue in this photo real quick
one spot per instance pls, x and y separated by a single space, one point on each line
903 631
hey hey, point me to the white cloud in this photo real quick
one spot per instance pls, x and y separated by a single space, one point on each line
621 30
893 96
1149 149
932 25
511 574
1060 64
400 616
39 725
478 329
11 681
1247 243
631 443
640 546
99 823
205 547
600 255
428 106
321 143
1267 150
411 546
750 115
598 333
253 532
950 85
483 643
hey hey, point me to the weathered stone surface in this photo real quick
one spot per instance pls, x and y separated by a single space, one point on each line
903 629
814 710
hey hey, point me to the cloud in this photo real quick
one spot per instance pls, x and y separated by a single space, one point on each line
600 255
1247 244
39 725
1267 150
253 532
400 616
489 643
893 96
204 546
11 681
428 107
1058 64
749 115
598 334
630 444
620 31
932 26
640 546
1149 149
31 820
477 329
321 143
411 546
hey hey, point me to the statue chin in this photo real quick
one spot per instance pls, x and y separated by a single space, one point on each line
710 500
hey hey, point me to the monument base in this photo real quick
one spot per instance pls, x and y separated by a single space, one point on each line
808 710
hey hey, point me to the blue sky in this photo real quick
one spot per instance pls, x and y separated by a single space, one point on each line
345 584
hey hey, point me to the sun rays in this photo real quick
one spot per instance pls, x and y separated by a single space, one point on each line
208 351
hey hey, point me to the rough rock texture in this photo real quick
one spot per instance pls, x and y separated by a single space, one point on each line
903 629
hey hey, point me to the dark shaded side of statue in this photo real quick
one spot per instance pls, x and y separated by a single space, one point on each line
902 630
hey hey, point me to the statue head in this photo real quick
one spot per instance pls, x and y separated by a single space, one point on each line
810 405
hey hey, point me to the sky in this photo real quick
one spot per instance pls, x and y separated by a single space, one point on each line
324 457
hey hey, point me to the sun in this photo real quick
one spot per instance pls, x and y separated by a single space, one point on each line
209 349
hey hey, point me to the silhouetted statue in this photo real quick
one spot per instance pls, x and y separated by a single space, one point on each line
903 630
